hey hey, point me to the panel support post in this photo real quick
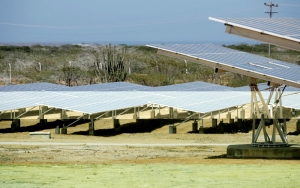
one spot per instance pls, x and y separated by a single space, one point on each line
63 114
214 122
152 114
135 113
117 125
195 126
43 122
201 129
171 113
175 114
253 127
91 127
172 129
15 125
64 130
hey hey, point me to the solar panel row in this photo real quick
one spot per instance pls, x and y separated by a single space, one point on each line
115 86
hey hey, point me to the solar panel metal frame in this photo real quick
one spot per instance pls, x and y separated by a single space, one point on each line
174 51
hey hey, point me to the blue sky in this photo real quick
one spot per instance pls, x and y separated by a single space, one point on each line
130 21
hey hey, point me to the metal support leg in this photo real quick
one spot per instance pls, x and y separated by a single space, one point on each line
253 128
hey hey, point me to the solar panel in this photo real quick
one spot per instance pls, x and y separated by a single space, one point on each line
44 86
234 61
203 102
40 86
291 101
288 28
279 31
23 99
193 86
113 86
93 102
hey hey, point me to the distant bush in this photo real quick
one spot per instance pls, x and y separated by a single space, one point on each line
146 49
15 48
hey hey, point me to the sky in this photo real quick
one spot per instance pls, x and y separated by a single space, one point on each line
131 21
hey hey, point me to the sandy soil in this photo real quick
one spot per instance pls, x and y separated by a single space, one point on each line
150 158
107 146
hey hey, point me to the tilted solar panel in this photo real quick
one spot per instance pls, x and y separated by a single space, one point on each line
283 27
234 61
283 32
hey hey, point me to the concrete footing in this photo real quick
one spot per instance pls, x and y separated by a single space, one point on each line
45 135
247 151
43 122
117 125
172 129
15 125
91 127
64 130
57 130
201 130
298 126
195 126
214 122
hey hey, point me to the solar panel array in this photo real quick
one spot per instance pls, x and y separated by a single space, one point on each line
282 27
115 86
236 61
195 96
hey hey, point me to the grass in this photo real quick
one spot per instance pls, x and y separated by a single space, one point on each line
150 175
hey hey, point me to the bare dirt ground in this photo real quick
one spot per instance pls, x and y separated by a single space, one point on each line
150 158
154 146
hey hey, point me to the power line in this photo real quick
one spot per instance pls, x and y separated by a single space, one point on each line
271 5
290 5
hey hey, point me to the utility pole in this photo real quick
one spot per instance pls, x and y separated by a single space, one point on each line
271 5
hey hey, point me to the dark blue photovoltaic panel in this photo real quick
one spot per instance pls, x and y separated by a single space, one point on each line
288 28
193 86
40 86
113 86
237 61
43 86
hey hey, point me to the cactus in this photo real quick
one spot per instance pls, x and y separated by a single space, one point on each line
113 68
